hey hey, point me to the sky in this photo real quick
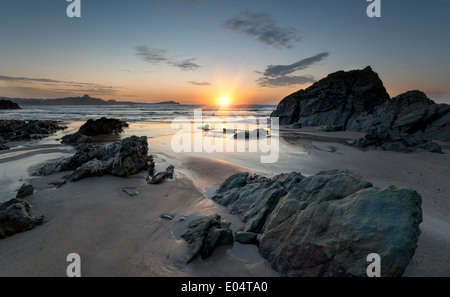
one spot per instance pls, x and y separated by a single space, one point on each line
198 51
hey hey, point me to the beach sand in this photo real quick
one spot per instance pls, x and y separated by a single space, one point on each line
119 235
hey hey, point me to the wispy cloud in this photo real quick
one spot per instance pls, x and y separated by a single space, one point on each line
186 65
277 70
198 83
156 56
284 80
263 28
52 86
151 55
279 75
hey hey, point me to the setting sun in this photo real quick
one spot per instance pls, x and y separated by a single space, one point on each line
224 101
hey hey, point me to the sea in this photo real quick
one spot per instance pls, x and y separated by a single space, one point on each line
19 163
134 113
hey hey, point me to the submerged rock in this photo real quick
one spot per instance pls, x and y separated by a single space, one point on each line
205 234
121 158
326 224
15 217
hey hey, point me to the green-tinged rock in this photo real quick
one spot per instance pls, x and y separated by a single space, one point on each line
327 224
15 217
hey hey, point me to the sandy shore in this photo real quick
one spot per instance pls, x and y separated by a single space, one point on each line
119 235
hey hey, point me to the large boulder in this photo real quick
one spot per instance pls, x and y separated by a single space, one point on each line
15 217
334 100
121 158
327 224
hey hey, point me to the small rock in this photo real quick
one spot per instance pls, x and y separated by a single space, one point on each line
206 127
58 183
25 190
130 191
166 217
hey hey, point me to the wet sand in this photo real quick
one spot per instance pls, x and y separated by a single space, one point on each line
119 235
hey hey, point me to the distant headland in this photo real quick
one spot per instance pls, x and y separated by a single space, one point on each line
85 100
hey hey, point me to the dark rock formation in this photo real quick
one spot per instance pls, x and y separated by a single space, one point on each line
205 234
393 140
24 130
8 104
101 126
121 158
76 138
327 224
334 100
357 101
15 217
25 190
